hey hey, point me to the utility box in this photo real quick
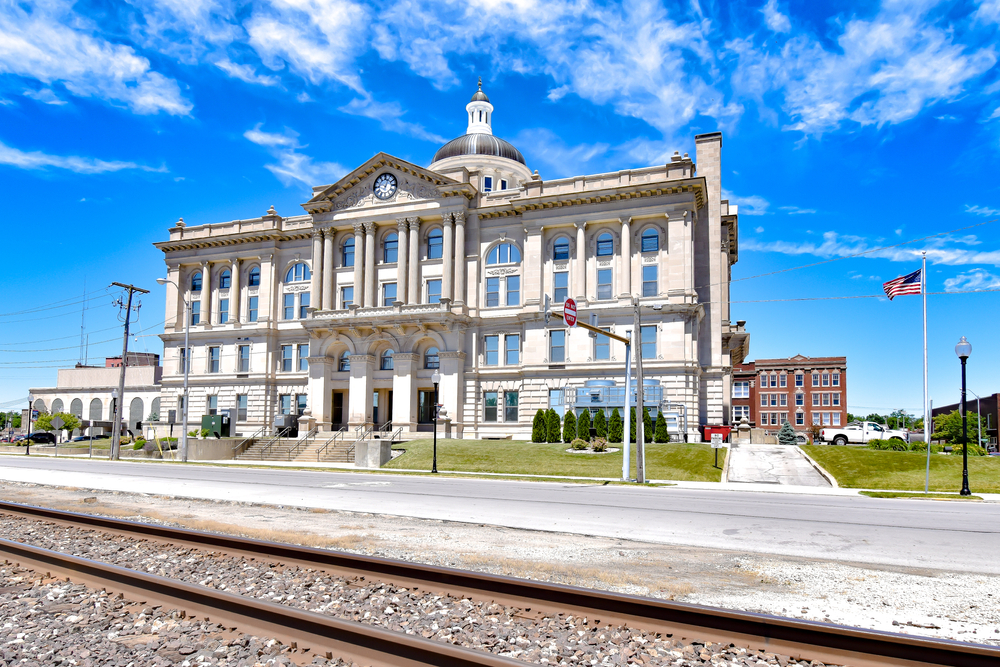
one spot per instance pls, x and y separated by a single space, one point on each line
708 430
287 426
217 425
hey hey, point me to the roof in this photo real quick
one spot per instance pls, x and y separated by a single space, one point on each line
479 144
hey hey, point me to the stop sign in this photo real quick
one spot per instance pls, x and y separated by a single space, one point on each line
569 312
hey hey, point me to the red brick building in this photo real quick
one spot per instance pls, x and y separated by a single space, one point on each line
805 391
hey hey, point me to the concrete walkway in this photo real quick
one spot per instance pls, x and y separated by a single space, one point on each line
773 464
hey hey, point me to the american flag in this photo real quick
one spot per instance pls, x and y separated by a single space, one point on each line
908 284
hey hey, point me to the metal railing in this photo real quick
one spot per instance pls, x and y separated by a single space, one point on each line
293 451
337 435
275 440
366 433
259 433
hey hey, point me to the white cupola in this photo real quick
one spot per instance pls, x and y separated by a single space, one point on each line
480 112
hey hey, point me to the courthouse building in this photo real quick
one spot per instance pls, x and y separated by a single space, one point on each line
398 271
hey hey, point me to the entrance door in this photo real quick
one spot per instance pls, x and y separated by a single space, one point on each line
388 407
338 407
375 408
426 407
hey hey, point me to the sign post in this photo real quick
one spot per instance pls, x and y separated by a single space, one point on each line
716 446
569 313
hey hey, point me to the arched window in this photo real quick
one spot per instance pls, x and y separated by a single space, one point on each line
390 248
345 361
224 279
347 251
57 406
505 253
40 405
435 244
135 412
387 360
298 273
196 282
76 408
95 410
650 241
605 245
253 278
431 359
560 250
154 410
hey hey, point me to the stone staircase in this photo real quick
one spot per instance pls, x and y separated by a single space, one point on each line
310 450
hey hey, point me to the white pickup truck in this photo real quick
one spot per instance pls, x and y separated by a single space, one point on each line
861 432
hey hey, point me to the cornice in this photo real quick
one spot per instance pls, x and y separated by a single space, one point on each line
233 239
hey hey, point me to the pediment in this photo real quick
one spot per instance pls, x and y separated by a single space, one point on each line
356 189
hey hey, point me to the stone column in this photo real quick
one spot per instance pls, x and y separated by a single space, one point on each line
452 389
626 258
369 265
448 253
175 294
329 301
359 258
403 255
460 267
413 280
359 396
267 293
404 391
206 295
580 266
316 283
234 292
319 393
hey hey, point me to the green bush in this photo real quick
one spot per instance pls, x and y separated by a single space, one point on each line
647 425
897 444
786 435
878 444
616 429
660 434
139 443
922 447
553 426
601 425
579 444
538 427
599 444
569 426
583 426
974 450
631 425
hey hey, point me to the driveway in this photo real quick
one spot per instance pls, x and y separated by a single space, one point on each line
773 464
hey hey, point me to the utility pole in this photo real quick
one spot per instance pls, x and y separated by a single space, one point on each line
640 402
116 428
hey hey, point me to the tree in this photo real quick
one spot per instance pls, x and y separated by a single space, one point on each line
10 419
661 434
899 419
583 426
875 417
616 429
553 426
852 418
949 427
569 426
601 425
786 435
647 425
631 425
537 427
44 422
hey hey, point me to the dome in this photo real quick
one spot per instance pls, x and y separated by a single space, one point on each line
479 144
479 95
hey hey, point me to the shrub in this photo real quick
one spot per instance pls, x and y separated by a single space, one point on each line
878 444
631 425
125 440
661 435
599 444
139 443
553 426
647 425
205 432
786 435
601 425
974 450
193 434
579 444
616 429
538 427
569 426
897 445
583 426
922 447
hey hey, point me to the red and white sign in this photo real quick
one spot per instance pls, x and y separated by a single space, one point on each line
569 313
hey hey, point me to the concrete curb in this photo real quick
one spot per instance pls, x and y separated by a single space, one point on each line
830 478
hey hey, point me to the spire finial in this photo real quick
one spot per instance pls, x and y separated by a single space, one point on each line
480 83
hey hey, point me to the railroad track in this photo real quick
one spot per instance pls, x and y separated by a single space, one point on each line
367 644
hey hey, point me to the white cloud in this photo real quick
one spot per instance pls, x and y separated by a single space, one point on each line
972 280
775 20
752 205
989 11
246 73
293 166
45 96
984 211
546 148
390 116
759 230
795 210
80 165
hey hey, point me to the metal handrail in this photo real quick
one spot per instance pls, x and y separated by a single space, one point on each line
337 434
294 449
275 439
366 434
394 434
258 433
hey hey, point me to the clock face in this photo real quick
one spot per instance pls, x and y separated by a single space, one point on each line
385 186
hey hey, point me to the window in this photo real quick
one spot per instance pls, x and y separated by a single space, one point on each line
826 400
836 419
390 248
800 419
835 399
212 405
196 282
431 358
185 353
505 253
491 350
649 287
345 361
243 356
557 346
241 407
388 293
826 379
386 364
605 245
347 252
815 400
503 181
648 342
195 312
560 282
799 380
298 273
783 400
774 380
512 349
288 306
253 278
741 390
560 250
213 360
836 379
763 400
303 305
510 406
604 284
285 361
301 403
782 380
252 309
223 311
800 399
650 241
225 279
487 180
490 407
285 404
815 418
492 292
774 400
557 401
433 291
602 346
774 418
435 244
815 379
513 290
826 419
739 412
303 356
782 417
346 297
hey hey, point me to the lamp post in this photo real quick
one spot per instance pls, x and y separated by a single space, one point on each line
27 432
963 349
436 379
187 365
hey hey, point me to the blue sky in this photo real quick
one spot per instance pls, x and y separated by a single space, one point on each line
849 127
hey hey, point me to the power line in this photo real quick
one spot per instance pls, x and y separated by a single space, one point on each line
65 303
857 296
72 347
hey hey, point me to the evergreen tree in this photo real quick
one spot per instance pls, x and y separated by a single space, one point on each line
583 426
538 427
553 426
661 434
631 425
616 430
569 426
647 425
786 435
601 425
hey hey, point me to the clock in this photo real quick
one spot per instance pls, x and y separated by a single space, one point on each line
385 186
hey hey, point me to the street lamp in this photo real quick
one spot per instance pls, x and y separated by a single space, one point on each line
187 365
436 379
27 432
963 349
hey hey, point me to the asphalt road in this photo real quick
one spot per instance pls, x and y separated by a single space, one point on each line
911 533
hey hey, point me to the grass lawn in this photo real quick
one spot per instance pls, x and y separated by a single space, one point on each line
863 468
686 462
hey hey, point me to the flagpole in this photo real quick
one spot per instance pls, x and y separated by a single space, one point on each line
928 426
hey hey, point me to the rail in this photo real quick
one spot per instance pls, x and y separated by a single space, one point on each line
337 435
239 448
293 451
275 439
365 434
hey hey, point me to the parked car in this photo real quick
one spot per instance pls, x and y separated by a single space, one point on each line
42 438
87 438
859 433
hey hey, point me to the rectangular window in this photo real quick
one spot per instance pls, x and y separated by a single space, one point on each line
649 286
510 406
503 183
782 380
212 405
826 419
285 404
782 400
195 312
213 360
241 407
800 419
301 403
782 417
492 292
487 184
741 390
252 309
388 293
800 399
492 350
650 242
244 359
557 346
288 306
763 400
304 357
774 400
604 287
826 379
285 362
739 412
303 305
826 400
346 297
490 407
799 380
512 349
835 399
185 355
602 346
815 400
433 291
513 290
836 419
557 401
815 379
560 283
836 379
223 311
774 419
815 418
649 342
774 380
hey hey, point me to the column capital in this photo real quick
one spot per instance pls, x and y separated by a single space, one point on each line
402 224
446 218
626 219
580 225
205 263
459 217
414 223
359 227
317 234
370 228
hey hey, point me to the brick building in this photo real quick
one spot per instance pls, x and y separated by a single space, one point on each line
806 391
